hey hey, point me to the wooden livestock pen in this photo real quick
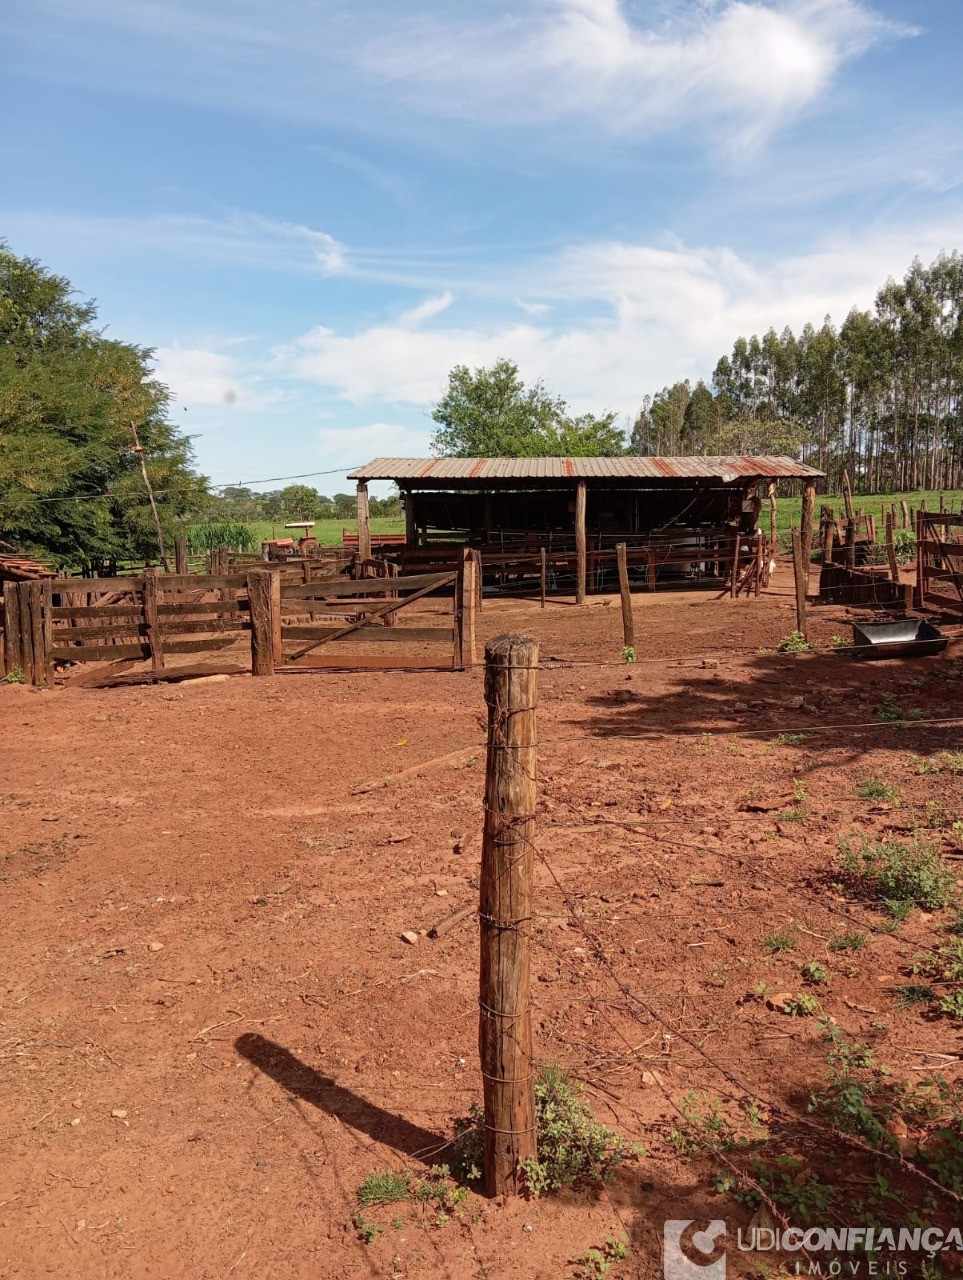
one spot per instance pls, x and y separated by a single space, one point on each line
683 521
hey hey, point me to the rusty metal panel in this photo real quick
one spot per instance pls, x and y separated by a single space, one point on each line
726 470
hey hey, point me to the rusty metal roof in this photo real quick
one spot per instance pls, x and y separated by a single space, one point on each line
727 470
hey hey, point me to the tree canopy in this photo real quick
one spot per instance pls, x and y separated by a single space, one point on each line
490 413
881 396
71 487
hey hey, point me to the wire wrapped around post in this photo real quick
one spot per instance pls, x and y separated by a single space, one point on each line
505 912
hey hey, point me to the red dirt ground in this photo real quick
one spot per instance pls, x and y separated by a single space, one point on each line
211 1028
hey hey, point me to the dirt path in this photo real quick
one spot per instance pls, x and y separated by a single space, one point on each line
212 1030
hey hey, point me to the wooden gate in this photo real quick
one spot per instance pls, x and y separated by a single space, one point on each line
939 561
338 620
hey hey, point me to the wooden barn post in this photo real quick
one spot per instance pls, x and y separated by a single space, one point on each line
465 610
364 524
773 536
264 592
628 622
580 543
180 556
505 912
543 574
801 571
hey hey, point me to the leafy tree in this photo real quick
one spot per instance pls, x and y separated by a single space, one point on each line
491 413
300 502
658 429
70 483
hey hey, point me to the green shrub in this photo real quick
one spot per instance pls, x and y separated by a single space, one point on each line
898 875
572 1145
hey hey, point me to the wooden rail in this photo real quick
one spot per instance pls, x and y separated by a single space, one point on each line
939 561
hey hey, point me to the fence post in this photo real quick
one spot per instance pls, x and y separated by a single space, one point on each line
505 912
46 615
801 573
180 556
734 584
580 543
465 610
13 648
263 591
759 559
155 640
891 548
543 574
920 596
628 622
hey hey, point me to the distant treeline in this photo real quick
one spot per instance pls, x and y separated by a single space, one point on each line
881 397
295 502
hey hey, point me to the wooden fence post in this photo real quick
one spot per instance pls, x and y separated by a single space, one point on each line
628 622
180 556
773 534
476 556
46 615
891 548
465 611
13 648
801 572
543 558
263 591
505 912
920 595
733 585
152 620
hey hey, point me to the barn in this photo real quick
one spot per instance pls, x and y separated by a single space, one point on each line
683 520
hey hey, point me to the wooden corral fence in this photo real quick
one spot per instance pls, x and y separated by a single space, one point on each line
939 561
153 616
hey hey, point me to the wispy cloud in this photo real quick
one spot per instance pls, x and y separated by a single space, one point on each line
427 310
743 68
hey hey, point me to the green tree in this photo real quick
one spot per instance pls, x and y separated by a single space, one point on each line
70 484
300 502
490 413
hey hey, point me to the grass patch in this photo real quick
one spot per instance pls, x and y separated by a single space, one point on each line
897 875
795 642
782 940
814 972
384 1186
874 789
848 942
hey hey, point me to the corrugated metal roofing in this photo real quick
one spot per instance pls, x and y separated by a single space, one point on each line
724 469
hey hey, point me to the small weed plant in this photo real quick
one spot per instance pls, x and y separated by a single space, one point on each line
874 789
782 940
597 1261
899 876
814 972
15 676
628 654
848 942
795 642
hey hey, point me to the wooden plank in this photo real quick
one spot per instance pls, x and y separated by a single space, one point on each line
371 635
99 652
212 644
112 679
345 589
62 613
390 607
97 586
26 631
341 661
41 660
936 600
186 608
172 627
123 630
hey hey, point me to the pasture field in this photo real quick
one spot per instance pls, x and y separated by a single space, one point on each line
214 1037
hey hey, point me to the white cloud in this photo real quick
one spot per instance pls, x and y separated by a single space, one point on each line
427 310
205 376
658 313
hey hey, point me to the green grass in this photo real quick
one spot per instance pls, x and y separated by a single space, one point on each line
788 510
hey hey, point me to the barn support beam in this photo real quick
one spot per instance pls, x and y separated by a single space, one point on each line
580 543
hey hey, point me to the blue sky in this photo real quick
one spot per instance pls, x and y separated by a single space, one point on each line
313 210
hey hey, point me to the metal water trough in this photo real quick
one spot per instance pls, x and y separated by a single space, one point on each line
912 638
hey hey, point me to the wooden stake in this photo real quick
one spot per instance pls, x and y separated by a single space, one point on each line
265 619
850 523
920 596
505 912
891 548
734 584
904 512
151 620
773 536
801 572
759 561
476 555
46 613
628 622
39 649
580 543
543 557
26 632
829 535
